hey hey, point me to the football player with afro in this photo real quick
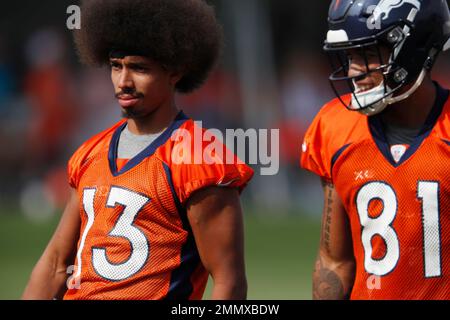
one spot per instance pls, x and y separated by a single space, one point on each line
140 225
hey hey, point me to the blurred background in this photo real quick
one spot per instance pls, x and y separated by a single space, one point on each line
273 74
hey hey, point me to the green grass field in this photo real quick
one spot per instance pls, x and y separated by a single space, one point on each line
280 252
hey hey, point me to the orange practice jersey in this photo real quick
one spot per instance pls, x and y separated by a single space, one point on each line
135 239
399 211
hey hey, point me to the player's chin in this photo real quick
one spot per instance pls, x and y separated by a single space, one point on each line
132 113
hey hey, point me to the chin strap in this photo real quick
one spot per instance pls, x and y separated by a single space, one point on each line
407 94
372 98
446 45
383 103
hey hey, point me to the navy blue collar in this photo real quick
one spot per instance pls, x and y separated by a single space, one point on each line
377 131
147 152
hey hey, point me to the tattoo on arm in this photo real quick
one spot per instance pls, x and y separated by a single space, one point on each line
330 283
327 285
328 188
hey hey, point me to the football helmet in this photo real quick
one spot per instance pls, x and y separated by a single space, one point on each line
414 32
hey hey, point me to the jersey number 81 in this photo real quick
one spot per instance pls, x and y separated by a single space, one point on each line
428 193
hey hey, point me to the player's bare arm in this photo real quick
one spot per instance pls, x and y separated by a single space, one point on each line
48 279
127 174
335 266
374 141
216 219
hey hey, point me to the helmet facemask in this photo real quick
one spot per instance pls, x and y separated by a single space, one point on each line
381 51
413 31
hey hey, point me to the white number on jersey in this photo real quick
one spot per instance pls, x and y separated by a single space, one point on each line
428 192
132 204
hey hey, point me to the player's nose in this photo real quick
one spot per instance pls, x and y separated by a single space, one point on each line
125 79
357 68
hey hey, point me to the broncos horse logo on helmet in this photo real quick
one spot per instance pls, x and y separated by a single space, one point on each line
413 31
384 8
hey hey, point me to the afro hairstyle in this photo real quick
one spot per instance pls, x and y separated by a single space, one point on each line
182 35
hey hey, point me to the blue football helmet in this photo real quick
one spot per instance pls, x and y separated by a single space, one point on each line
414 33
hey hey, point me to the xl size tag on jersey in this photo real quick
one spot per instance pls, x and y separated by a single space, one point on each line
398 151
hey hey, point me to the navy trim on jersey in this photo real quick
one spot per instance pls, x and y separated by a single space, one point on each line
177 201
147 152
181 287
446 141
337 155
377 130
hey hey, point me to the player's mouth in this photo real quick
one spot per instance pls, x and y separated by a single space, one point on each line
364 87
128 101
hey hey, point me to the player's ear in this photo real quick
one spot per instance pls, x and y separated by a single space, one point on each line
174 77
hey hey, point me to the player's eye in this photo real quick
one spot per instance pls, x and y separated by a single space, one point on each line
115 65
139 68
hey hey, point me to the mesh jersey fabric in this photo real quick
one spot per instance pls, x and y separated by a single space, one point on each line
399 212
135 239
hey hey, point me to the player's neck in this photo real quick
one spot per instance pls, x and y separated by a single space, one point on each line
412 112
155 122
